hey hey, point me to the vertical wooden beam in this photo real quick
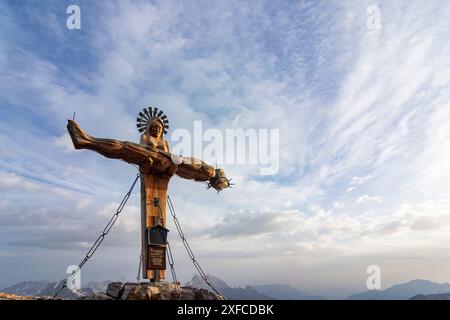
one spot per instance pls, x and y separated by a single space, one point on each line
152 186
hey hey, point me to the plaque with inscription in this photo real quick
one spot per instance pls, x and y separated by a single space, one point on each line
156 258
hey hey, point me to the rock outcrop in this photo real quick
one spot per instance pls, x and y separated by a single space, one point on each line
134 291
9 296
152 291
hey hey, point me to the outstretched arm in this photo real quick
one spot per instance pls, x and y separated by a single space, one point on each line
149 159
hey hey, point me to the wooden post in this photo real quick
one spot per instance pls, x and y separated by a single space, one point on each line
152 187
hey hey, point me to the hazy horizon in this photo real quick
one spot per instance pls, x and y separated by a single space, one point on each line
327 293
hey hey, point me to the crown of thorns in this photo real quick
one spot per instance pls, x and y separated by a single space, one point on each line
148 115
219 181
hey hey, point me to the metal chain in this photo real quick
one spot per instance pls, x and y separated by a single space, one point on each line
138 277
100 239
188 248
170 257
172 270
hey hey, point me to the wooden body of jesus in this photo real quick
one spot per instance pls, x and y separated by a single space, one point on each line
156 166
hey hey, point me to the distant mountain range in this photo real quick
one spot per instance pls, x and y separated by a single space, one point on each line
28 288
436 296
47 289
403 291
247 293
285 292
413 290
255 292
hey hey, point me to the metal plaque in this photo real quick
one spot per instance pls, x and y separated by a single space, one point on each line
156 258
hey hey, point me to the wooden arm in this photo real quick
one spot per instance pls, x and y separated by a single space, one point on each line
149 159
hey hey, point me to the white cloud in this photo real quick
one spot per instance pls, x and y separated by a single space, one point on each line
367 198
65 142
11 180
360 180
338 205
128 221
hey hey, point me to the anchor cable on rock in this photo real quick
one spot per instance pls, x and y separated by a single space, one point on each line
111 223
100 239
188 247
138 277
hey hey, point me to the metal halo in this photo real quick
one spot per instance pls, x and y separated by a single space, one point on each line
148 115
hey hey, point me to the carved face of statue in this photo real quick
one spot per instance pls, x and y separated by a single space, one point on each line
156 129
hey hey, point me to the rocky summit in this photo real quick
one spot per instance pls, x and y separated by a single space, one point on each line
10 296
152 291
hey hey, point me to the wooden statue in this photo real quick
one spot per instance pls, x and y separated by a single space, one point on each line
156 165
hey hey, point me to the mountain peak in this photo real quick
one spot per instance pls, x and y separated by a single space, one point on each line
198 282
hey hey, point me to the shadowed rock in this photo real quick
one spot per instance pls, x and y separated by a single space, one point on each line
152 291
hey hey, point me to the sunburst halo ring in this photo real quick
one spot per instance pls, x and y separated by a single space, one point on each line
147 115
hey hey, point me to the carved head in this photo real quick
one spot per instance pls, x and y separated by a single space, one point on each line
155 128
147 117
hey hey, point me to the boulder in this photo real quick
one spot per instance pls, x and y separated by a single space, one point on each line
153 291
136 291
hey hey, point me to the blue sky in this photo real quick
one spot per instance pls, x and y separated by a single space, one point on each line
364 136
